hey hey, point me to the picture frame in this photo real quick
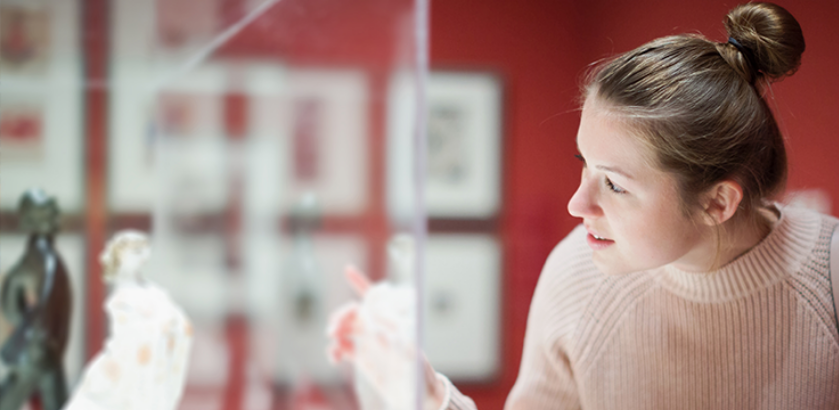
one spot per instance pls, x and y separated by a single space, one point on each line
463 152
462 305
327 140
25 38
41 138
306 132
22 130
184 117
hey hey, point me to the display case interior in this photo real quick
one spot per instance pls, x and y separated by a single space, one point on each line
262 146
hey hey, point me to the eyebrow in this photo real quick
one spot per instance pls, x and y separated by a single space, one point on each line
614 170
606 168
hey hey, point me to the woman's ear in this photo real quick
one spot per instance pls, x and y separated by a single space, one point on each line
721 201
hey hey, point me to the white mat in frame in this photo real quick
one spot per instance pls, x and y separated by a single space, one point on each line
463 161
462 304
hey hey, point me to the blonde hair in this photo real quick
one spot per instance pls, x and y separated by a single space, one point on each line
699 105
110 256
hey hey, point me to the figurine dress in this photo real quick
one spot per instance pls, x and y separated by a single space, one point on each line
143 363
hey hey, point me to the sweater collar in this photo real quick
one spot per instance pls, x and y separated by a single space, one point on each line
782 252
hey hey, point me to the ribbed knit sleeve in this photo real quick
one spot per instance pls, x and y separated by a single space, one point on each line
566 284
546 379
455 400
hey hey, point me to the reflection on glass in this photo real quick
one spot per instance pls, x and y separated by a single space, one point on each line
255 135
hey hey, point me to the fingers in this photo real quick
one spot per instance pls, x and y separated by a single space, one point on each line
338 351
341 329
342 324
435 389
358 281
342 321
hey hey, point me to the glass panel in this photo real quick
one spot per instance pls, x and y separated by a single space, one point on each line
256 137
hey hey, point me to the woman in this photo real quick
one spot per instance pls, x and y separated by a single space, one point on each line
685 286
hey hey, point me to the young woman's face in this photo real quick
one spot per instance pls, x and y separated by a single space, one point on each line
630 208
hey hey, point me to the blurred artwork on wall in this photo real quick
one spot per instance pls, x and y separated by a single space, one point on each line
307 117
41 100
463 152
181 23
447 160
21 131
24 39
326 132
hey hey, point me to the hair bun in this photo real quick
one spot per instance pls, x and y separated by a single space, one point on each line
767 41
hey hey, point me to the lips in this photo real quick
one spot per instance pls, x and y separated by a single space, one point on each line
596 241
596 234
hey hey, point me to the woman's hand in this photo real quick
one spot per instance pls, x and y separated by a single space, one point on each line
345 327
343 323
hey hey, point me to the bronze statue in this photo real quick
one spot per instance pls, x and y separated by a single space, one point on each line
35 299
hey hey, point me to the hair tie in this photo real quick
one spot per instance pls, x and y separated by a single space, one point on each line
747 53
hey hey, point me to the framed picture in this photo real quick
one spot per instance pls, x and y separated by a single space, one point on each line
184 119
40 115
326 144
24 38
22 130
186 23
305 132
463 137
307 135
463 305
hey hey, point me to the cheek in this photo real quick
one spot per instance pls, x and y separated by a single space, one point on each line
665 238
658 231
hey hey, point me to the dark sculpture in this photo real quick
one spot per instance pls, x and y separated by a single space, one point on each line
35 299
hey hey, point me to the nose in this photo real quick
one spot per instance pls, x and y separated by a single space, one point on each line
583 203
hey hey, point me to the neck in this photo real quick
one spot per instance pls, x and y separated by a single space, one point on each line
741 235
724 243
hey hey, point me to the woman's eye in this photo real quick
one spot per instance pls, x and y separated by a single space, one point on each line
580 157
616 189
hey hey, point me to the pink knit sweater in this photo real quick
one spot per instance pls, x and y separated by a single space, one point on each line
760 333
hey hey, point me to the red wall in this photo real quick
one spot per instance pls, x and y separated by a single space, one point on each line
540 48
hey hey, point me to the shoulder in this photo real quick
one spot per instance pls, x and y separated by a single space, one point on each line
803 232
810 233
566 284
572 291
569 264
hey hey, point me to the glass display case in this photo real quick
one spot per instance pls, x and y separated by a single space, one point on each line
249 139
264 146
251 136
